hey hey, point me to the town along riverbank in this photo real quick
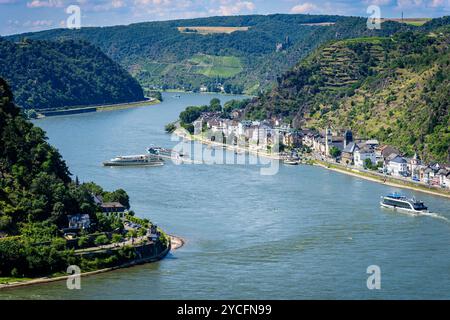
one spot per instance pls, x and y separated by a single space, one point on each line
236 148
386 180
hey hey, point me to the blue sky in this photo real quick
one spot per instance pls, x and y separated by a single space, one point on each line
32 15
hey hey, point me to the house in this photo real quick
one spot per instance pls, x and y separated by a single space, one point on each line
442 175
383 152
373 143
98 199
397 166
79 221
426 174
113 208
348 153
308 137
447 180
290 137
363 153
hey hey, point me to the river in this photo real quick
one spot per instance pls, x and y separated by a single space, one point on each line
303 233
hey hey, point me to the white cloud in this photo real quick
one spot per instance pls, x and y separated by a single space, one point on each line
378 2
45 3
306 7
440 3
409 3
228 8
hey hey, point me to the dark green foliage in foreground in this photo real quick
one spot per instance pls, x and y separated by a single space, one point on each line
36 195
45 74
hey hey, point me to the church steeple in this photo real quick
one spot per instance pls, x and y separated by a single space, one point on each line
328 140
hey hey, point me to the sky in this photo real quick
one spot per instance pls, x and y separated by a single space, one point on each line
17 16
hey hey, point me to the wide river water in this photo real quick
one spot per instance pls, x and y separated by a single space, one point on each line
303 233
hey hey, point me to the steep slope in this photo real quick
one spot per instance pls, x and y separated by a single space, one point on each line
45 74
162 54
394 89
35 184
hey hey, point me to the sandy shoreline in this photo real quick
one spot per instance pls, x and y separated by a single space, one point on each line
175 241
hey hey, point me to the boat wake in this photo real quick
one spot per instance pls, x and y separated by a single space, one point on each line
435 215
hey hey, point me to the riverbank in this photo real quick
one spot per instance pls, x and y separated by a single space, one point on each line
175 243
389 180
97 108
239 149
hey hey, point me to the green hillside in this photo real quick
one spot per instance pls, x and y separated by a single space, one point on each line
46 74
394 89
36 196
163 54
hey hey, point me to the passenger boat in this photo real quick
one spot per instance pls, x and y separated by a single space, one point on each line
164 153
398 202
291 162
137 160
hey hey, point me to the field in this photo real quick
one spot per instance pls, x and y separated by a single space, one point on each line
210 30
412 21
319 24
216 66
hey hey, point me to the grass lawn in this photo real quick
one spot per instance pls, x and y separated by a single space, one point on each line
6 280
411 21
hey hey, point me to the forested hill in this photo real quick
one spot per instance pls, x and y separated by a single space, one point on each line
34 180
37 195
395 89
55 74
174 54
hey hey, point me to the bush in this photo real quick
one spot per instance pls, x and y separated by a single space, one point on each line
170 127
83 242
132 233
101 240
116 238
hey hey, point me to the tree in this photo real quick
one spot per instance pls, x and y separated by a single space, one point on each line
335 152
101 240
170 127
368 164
215 105
116 238
119 195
